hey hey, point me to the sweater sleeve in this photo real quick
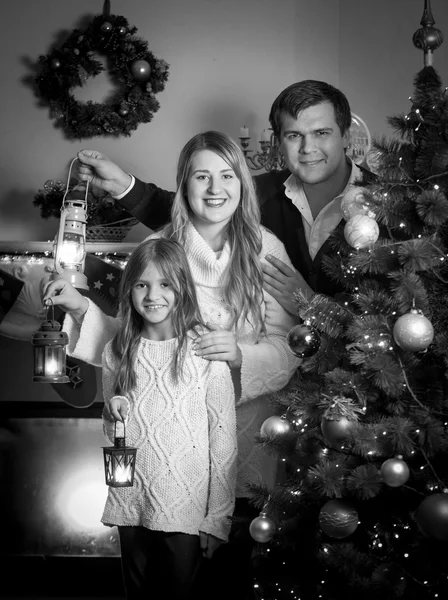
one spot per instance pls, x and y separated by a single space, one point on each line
223 451
149 204
268 365
88 340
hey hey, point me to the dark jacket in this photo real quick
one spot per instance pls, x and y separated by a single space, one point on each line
152 206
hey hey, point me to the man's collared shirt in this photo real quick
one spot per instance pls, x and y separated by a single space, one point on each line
318 230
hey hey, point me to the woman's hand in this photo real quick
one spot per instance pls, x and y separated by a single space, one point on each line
102 172
62 293
209 543
219 345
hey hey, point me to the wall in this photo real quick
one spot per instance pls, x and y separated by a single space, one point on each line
228 62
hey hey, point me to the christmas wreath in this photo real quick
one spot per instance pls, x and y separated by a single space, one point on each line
136 73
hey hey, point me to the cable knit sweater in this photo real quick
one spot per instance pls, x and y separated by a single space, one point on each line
267 364
185 433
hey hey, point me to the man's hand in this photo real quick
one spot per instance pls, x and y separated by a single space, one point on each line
282 283
209 543
219 345
102 172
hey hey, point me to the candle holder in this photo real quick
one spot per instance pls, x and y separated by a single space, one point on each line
119 461
268 158
49 352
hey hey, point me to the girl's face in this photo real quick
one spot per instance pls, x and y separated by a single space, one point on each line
213 190
154 299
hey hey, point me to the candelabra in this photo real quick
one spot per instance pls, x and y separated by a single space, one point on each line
270 158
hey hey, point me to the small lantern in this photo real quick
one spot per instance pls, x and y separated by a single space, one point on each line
49 352
119 462
69 246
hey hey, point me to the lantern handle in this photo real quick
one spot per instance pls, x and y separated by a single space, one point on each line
67 185
50 307
124 430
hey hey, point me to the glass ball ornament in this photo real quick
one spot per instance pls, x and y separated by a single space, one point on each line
262 529
276 426
338 519
106 27
303 340
141 70
361 231
432 517
354 203
336 431
395 472
413 332
122 30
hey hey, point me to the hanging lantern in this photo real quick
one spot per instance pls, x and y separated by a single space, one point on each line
69 247
119 462
49 352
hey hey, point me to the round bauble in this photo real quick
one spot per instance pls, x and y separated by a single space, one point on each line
106 27
413 332
262 529
395 472
338 519
276 426
432 517
354 203
361 231
122 30
303 340
335 431
141 70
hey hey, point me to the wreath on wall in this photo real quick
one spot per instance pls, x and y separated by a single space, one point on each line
136 73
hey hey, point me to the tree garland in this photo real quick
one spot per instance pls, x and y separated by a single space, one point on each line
137 74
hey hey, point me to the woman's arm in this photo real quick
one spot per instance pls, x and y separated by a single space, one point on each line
269 365
223 451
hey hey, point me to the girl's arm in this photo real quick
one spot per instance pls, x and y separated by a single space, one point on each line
269 365
223 451
88 338
120 403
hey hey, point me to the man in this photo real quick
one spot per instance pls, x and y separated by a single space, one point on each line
301 205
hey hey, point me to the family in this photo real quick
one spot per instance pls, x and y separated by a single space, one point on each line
199 343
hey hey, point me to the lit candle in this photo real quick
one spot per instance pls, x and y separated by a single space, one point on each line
51 367
244 131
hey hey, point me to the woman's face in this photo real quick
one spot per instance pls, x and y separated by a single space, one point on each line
213 190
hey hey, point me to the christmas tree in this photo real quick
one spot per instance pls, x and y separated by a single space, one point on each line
362 429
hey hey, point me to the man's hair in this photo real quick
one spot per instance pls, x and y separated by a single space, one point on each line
303 94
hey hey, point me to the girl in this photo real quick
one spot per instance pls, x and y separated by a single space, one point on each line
216 218
180 413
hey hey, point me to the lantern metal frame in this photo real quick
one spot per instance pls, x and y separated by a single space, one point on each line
49 352
119 461
69 249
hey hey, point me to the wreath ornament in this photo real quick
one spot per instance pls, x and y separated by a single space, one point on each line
136 73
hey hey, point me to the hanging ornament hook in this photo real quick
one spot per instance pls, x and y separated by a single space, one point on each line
428 38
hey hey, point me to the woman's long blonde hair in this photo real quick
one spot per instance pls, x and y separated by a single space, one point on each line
242 286
170 259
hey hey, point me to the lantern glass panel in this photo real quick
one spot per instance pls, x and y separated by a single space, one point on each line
72 251
119 466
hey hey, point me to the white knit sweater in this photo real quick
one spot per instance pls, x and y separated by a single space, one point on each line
185 432
267 364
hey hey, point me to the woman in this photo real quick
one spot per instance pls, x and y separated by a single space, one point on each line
216 218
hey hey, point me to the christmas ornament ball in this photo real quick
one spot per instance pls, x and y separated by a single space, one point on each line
361 231
335 431
432 517
141 70
354 203
262 529
106 27
413 331
303 340
275 426
338 519
122 30
395 472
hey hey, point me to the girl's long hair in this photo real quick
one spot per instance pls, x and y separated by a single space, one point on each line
242 285
170 259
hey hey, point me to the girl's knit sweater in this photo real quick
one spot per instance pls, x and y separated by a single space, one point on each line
185 433
267 365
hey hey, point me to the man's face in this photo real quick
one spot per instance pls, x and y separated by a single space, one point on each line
312 144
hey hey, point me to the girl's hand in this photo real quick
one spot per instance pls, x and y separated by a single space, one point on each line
116 409
219 345
62 293
209 543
